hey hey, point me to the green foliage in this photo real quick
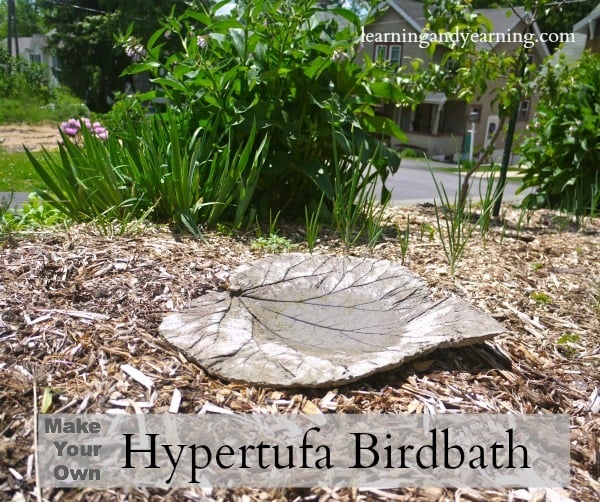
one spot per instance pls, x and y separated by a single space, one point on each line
488 200
312 225
30 110
562 155
83 40
166 170
30 21
541 297
560 17
126 109
404 239
20 79
272 244
455 223
32 215
428 229
567 344
289 68
267 115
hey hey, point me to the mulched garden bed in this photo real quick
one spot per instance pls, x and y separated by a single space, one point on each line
75 306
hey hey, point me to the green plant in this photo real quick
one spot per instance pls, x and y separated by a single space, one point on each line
487 200
272 244
125 110
426 229
455 224
33 214
562 154
21 79
567 344
274 64
409 153
312 225
541 297
536 266
374 223
403 239
180 176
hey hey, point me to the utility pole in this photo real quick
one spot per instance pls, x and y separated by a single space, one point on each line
12 28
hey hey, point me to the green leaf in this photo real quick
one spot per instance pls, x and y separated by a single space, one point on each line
348 15
46 400
384 125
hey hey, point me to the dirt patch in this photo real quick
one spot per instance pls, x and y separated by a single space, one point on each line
13 137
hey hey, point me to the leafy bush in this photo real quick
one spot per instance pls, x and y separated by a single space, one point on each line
287 68
562 155
126 109
265 115
21 79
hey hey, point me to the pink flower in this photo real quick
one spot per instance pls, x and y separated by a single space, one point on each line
72 128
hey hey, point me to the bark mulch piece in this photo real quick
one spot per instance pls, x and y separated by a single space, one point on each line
79 314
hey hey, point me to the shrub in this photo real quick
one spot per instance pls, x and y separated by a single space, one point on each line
126 109
281 65
20 79
562 155
266 115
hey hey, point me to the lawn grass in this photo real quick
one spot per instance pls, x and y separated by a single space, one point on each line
33 111
17 174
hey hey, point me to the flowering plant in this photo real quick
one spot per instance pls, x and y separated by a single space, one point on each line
277 64
72 128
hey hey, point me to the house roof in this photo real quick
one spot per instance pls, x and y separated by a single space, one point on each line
34 44
502 20
588 25
413 12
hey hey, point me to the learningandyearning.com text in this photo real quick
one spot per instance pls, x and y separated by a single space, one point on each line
458 38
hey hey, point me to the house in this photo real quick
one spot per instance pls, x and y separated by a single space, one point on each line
589 27
35 49
441 125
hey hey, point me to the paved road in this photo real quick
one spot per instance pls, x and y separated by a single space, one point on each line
18 198
412 184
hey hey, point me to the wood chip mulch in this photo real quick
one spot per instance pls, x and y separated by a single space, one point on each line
79 314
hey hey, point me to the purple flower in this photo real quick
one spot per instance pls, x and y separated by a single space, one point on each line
202 42
134 50
101 133
70 127
339 56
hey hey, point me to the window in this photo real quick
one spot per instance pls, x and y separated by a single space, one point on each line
523 110
35 58
55 63
380 52
395 54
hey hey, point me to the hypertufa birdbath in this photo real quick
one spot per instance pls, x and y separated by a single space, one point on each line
298 320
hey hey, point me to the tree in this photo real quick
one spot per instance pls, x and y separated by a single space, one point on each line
559 17
83 36
472 70
29 19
